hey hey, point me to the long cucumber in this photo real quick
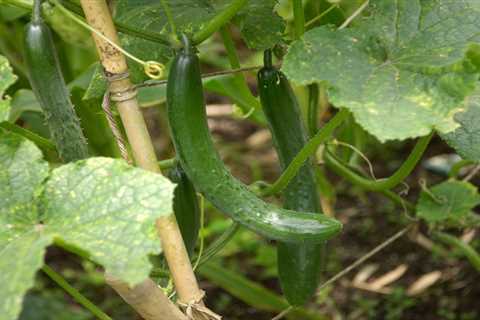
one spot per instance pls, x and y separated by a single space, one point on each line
202 164
298 263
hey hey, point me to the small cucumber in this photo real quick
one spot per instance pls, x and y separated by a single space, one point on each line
186 208
51 91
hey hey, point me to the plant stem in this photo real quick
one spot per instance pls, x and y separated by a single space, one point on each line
382 184
240 80
76 295
219 243
467 250
155 83
123 92
167 163
299 18
321 15
168 13
218 21
312 116
342 170
308 150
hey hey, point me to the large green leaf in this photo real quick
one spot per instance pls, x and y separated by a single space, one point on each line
7 78
466 138
100 205
108 208
22 239
449 202
403 70
188 15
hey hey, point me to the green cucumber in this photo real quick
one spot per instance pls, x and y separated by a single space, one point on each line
298 264
51 91
186 208
203 166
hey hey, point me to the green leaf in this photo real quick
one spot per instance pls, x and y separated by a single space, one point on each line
7 78
100 205
22 101
260 26
466 138
449 202
108 208
188 15
22 240
98 84
403 70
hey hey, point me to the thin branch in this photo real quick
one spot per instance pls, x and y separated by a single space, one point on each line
154 83
76 295
354 15
367 256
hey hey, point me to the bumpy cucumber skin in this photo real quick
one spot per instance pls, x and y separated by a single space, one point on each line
51 91
186 208
199 159
298 264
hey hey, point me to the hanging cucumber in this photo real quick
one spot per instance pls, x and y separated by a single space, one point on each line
49 87
298 263
199 159
186 208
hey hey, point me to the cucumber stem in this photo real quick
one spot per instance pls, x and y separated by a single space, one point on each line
218 21
37 11
308 150
382 184
267 58
472 255
239 78
299 18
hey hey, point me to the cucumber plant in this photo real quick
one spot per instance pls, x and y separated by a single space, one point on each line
389 70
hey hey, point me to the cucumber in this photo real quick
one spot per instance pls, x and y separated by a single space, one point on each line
298 264
186 208
203 166
51 91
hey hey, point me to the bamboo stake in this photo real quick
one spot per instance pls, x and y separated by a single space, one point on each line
124 94
147 299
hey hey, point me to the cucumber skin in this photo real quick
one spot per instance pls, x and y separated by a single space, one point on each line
298 264
186 208
51 91
199 159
